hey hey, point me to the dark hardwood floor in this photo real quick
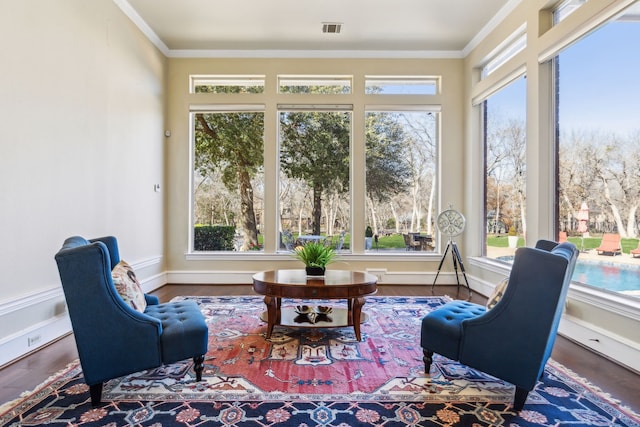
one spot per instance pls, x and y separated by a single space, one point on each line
30 371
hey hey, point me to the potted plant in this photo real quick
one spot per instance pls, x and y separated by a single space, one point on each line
368 237
513 237
315 257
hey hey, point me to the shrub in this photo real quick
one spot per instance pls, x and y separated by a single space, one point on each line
368 232
213 237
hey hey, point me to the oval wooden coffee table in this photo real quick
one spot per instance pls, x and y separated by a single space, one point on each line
295 284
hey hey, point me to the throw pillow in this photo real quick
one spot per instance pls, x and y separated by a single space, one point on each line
128 286
497 294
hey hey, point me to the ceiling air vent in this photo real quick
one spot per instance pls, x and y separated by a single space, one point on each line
331 27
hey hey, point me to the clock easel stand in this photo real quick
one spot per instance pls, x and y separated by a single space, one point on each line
457 260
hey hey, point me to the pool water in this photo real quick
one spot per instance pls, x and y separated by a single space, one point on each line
613 277
623 278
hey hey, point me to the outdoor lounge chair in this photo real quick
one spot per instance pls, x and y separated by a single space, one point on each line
562 237
635 252
610 244
410 243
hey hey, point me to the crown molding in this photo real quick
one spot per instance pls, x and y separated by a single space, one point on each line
322 54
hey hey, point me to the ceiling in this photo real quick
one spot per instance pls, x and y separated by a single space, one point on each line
407 28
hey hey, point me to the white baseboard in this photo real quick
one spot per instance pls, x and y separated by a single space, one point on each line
29 340
19 344
150 284
614 347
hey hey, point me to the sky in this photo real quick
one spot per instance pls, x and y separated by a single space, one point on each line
599 82
599 85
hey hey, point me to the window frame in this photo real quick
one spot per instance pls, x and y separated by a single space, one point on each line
270 103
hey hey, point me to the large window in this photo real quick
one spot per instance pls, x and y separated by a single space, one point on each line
316 152
314 199
599 151
505 170
228 180
401 149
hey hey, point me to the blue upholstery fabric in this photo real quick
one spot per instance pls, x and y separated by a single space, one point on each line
513 340
112 338
445 326
183 329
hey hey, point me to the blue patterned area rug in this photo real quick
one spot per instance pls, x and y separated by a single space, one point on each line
316 376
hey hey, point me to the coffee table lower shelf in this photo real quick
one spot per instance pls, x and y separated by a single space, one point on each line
338 318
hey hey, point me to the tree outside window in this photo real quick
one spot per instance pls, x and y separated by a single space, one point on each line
228 167
505 168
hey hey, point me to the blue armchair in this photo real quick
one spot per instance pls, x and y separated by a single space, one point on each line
112 338
513 340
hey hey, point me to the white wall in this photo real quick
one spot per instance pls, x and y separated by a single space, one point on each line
81 146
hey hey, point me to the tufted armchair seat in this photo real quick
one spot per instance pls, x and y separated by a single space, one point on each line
114 339
447 322
182 322
512 340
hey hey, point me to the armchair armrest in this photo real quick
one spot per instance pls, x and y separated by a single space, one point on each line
151 299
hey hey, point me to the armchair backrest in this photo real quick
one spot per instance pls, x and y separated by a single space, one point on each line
99 317
514 339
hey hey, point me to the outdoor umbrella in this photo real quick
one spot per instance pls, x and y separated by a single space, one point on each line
583 221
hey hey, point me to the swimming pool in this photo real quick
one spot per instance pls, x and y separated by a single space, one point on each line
611 276
616 277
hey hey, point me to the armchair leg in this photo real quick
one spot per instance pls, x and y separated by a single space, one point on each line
95 390
198 366
428 359
520 398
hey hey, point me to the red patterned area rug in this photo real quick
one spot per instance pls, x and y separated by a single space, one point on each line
313 376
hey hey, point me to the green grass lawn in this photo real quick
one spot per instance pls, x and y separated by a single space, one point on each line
396 241
589 242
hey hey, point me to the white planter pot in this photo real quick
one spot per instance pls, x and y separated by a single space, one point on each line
368 242
513 241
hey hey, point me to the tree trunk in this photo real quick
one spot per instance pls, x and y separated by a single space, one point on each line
374 219
496 219
300 220
631 222
567 226
432 196
415 210
317 209
614 209
249 226
523 215
396 220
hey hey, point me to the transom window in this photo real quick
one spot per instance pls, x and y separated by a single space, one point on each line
327 85
512 45
227 84
401 85
566 8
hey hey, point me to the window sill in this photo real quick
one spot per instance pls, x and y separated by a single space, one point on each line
280 256
613 302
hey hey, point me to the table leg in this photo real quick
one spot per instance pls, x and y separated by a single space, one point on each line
356 313
273 313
